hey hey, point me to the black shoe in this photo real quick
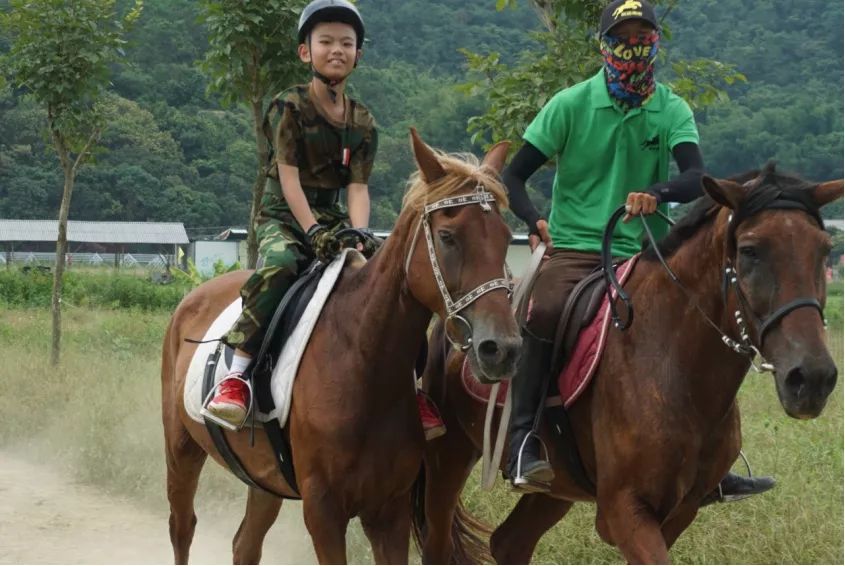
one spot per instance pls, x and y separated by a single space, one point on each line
528 472
734 487
536 475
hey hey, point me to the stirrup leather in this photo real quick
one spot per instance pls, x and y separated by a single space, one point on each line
221 422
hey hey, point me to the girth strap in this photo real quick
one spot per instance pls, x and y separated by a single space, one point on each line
216 432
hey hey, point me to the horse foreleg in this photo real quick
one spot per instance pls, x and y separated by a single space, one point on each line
515 539
326 522
678 523
185 459
633 528
389 530
448 463
262 509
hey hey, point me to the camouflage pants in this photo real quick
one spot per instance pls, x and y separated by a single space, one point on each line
285 254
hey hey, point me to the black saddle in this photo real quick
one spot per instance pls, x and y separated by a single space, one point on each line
284 321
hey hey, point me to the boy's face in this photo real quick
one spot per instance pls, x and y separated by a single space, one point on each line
332 49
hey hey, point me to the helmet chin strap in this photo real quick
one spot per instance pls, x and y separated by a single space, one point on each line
330 83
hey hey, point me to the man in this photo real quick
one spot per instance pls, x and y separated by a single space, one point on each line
611 136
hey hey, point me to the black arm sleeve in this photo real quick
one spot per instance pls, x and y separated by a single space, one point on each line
687 185
526 161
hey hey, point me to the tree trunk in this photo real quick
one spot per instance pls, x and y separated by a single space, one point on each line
61 251
69 168
262 152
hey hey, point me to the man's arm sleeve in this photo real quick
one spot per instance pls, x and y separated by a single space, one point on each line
686 186
526 161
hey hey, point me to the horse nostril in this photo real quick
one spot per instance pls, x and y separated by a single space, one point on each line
795 381
489 350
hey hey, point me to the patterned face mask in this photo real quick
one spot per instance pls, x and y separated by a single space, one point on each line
629 67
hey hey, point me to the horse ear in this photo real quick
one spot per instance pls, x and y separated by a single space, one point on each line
727 193
427 161
496 157
825 193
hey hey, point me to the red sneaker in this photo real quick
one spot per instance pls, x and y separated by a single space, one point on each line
231 401
429 415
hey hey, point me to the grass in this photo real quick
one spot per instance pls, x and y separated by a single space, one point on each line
97 417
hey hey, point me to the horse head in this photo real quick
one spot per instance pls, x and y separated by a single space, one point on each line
774 269
460 272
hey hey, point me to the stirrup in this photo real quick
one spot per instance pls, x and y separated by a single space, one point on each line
730 498
522 483
221 422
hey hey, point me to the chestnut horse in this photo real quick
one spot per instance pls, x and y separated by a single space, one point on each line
354 430
659 426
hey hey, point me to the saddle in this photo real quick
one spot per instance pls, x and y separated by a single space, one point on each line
580 310
284 321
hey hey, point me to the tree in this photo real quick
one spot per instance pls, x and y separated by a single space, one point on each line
251 55
568 54
60 54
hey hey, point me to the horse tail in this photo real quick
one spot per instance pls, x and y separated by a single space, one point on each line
418 509
470 536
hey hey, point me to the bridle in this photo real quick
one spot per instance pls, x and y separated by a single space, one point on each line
767 200
483 198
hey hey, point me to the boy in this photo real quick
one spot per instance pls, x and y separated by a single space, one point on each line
321 142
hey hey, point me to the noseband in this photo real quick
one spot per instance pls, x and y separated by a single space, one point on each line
483 198
766 200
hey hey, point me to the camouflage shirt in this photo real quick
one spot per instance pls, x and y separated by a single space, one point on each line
328 154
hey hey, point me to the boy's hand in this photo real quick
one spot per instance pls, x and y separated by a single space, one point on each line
324 243
639 203
367 243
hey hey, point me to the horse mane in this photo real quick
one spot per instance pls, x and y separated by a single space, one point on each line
460 168
704 208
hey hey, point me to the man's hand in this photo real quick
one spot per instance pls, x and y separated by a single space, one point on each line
639 203
323 242
542 236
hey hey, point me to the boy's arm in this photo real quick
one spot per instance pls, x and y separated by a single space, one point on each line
358 203
295 197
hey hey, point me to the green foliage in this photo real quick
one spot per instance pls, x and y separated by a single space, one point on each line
251 47
567 53
61 52
696 80
89 289
173 152
191 277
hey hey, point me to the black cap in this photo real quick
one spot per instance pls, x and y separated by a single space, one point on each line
622 10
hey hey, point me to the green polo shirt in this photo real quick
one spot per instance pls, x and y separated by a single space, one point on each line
602 155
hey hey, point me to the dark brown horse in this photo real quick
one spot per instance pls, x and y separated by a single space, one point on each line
354 429
659 426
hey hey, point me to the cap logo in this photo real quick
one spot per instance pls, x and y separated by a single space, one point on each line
629 8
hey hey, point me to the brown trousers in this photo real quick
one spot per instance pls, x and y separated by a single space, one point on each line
556 278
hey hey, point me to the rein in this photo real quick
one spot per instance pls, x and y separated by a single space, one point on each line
483 198
744 346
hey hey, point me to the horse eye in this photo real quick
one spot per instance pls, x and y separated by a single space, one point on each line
749 252
446 237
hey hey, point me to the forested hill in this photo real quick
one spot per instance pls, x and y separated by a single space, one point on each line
173 153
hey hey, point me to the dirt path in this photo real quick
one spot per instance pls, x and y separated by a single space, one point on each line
47 519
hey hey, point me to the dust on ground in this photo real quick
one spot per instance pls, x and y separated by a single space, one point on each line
47 518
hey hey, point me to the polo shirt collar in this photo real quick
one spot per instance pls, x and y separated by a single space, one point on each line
600 98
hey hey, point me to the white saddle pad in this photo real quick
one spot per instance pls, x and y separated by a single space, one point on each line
281 383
